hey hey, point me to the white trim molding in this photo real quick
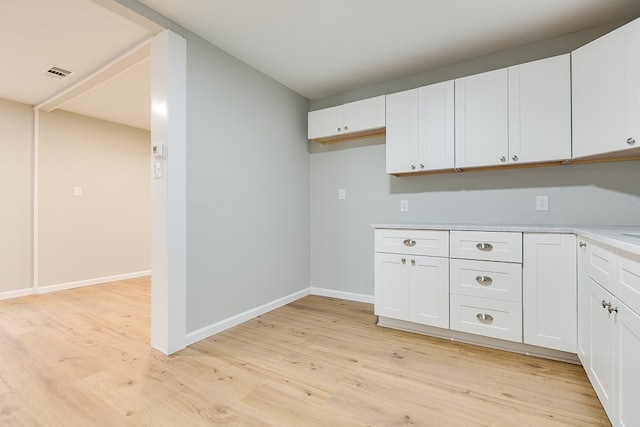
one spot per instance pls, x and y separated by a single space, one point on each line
350 296
223 325
16 294
89 282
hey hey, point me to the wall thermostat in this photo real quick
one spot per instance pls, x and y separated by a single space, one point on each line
157 150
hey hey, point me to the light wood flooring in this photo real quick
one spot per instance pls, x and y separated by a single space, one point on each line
82 358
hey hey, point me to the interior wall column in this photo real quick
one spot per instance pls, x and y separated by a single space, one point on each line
168 192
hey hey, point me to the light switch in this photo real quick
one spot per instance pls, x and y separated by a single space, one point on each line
342 193
157 169
77 190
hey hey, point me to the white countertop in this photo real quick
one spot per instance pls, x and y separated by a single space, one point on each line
614 236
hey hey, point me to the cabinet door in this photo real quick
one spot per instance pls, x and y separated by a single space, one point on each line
402 131
436 126
364 115
549 296
391 283
540 110
606 93
325 122
429 291
481 120
584 323
628 410
603 346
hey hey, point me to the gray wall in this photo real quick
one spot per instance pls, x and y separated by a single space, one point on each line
248 238
247 187
341 233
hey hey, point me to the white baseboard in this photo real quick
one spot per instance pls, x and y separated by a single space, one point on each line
16 294
207 331
342 295
89 282
223 325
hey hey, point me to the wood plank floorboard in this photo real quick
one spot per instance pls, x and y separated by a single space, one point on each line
82 358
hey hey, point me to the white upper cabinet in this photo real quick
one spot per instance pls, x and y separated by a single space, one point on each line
540 110
349 121
481 137
402 131
606 94
517 115
420 129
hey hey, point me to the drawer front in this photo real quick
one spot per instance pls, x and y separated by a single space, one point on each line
413 242
600 266
486 279
628 278
491 318
487 245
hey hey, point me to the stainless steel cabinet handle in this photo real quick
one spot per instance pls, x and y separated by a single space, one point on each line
404 260
421 165
515 158
631 141
612 309
503 159
583 245
484 318
346 128
486 247
339 129
606 304
409 242
413 262
484 280
413 167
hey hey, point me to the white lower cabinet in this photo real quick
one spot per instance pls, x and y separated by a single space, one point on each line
488 317
602 346
550 288
609 328
474 282
628 409
413 288
410 286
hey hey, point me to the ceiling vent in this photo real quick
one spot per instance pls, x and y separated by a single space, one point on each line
57 72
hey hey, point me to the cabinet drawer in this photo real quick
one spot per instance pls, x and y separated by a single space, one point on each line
487 245
413 242
486 279
628 278
600 266
491 318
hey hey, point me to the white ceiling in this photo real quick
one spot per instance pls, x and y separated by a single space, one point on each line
323 47
80 36
316 47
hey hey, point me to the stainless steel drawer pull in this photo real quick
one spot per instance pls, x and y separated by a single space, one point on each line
484 280
485 318
409 242
612 309
583 245
606 304
484 247
413 262
404 260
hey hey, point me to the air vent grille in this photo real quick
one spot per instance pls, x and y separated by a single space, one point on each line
57 72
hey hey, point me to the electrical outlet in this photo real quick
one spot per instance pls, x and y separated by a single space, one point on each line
342 193
404 206
542 203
